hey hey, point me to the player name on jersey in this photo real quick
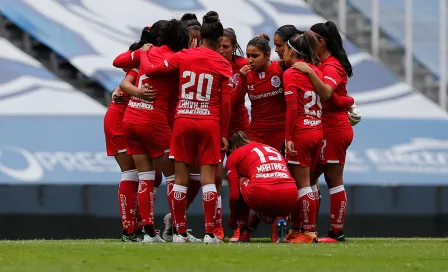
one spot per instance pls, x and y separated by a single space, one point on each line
193 107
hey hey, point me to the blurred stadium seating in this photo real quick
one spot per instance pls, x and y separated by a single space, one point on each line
401 141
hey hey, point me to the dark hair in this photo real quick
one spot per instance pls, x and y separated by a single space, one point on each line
305 46
150 34
230 33
238 140
329 32
189 20
135 46
174 36
261 42
286 32
212 28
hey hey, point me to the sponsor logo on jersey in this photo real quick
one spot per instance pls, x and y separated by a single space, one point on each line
265 95
276 82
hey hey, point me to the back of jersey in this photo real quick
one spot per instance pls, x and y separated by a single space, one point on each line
264 163
202 72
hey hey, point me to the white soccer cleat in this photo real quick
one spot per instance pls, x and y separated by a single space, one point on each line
168 231
151 240
177 238
191 238
209 240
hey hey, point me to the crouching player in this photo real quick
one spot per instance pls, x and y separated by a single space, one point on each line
259 180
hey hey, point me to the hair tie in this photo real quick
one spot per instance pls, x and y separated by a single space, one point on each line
318 35
231 34
192 26
297 51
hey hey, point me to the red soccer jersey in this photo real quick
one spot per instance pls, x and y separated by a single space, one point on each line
205 84
258 162
303 106
239 117
267 98
122 107
140 111
334 117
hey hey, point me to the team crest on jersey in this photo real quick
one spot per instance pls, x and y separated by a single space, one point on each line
275 81
235 78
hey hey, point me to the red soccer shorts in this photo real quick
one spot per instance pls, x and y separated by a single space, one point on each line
276 139
307 144
153 140
195 138
114 132
274 199
334 146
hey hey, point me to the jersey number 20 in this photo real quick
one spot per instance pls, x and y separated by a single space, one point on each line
199 95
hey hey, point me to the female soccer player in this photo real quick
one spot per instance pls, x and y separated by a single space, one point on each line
116 146
259 180
201 121
192 25
338 132
239 120
262 80
147 131
303 133
282 36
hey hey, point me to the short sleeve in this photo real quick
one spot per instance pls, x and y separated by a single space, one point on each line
133 72
331 76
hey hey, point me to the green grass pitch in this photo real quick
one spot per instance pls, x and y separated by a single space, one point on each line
111 255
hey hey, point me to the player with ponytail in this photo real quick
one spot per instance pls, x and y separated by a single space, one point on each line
337 130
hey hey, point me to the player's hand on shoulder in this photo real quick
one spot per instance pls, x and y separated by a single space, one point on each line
245 70
290 148
354 115
302 67
146 47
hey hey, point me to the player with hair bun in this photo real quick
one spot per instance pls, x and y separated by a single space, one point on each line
147 131
203 110
259 180
116 146
261 79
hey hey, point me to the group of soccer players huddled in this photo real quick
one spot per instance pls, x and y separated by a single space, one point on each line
180 110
